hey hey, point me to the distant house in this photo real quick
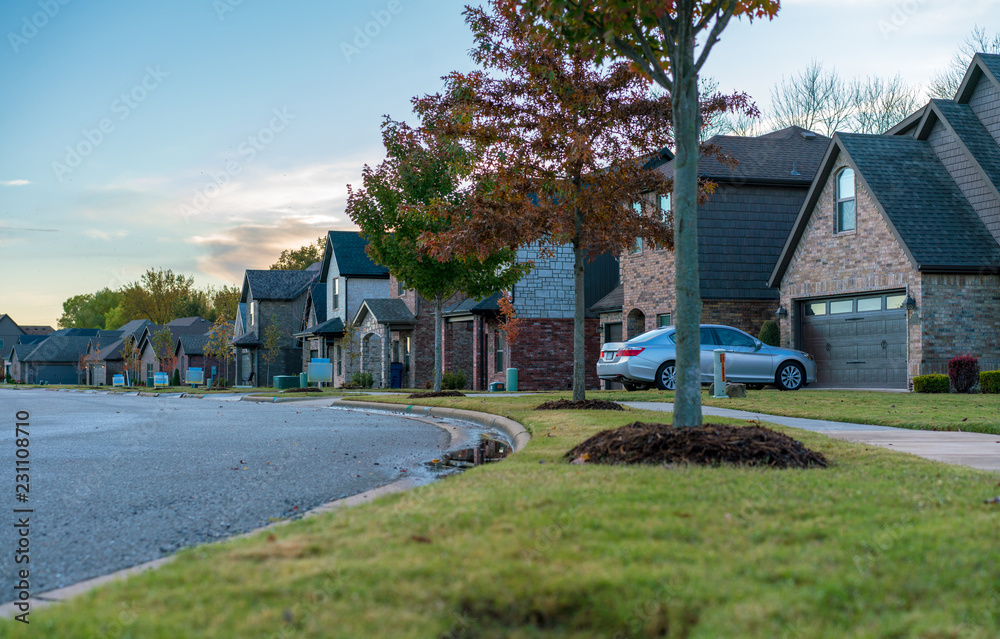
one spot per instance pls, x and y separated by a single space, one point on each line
892 266
106 349
190 353
150 360
57 360
11 334
272 298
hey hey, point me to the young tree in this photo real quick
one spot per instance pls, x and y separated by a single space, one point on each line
132 359
219 338
163 344
560 143
659 38
390 209
299 259
270 347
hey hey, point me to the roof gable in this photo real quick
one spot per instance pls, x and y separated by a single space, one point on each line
385 311
348 249
275 285
983 65
60 348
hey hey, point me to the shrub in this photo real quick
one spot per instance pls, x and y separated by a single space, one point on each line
453 381
362 379
176 380
935 383
770 334
989 381
963 372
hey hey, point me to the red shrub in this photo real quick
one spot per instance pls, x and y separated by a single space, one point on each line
963 372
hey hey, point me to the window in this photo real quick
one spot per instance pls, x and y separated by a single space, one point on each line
340 359
816 308
663 319
845 201
869 304
406 353
498 351
893 302
335 292
637 247
841 306
250 308
664 206
399 288
732 338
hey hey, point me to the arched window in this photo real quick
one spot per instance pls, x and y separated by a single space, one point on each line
845 201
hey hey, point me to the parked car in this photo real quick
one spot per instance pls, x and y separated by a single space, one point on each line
648 359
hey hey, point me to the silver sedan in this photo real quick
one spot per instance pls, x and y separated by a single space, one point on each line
648 359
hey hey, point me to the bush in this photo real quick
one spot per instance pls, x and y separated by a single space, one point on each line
963 372
453 381
176 380
770 334
989 381
935 383
362 380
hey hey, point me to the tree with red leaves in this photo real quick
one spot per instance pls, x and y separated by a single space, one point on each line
659 38
565 148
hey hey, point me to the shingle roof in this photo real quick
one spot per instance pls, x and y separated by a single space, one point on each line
190 325
31 339
614 300
330 327
277 285
135 327
193 344
21 351
319 301
488 306
970 130
249 339
992 62
76 332
59 348
352 260
37 330
388 311
790 155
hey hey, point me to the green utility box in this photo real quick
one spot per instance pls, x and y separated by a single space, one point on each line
282 382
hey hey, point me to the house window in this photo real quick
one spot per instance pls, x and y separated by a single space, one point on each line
406 353
336 292
664 206
250 307
498 351
637 247
149 370
399 288
663 319
845 201
340 359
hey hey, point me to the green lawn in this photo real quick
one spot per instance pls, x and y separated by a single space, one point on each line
880 544
920 411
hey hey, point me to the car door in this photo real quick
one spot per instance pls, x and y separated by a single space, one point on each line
745 361
709 342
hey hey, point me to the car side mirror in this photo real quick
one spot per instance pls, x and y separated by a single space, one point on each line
757 344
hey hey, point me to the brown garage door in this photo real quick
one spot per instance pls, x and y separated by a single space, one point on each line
858 342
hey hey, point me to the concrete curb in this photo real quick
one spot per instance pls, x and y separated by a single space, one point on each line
280 400
515 431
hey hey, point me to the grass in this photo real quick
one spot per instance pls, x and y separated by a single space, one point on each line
881 544
919 411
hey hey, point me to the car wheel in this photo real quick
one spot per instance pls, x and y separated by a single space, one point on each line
666 376
790 376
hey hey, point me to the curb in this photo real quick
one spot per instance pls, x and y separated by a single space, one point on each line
280 400
515 431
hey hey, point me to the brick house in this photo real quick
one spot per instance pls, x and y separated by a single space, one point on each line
190 353
741 230
272 298
149 362
893 264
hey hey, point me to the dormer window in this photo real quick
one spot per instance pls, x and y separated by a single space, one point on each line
845 201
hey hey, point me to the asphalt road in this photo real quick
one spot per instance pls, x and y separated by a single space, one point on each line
118 481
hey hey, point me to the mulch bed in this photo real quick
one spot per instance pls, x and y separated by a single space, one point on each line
710 445
582 404
307 389
450 393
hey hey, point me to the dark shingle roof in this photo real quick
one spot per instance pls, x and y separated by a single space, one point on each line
60 348
193 344
21 351
76 332
319 301
329 327
248 339
189 326
488 306
352 260
388 311
771 157
37 330
974 136
613 301
935 222
31 339
135 327
992 62
277 285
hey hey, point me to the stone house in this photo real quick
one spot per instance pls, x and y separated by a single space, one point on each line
741 230
272 298
893 264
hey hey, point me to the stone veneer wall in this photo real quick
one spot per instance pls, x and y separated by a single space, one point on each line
547 291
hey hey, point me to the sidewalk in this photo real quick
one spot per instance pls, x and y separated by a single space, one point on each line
977 450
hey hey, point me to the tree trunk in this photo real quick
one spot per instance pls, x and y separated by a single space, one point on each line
438 306
687 284
579 301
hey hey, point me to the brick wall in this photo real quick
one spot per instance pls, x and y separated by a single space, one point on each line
458 346
956 315
543 354
746 315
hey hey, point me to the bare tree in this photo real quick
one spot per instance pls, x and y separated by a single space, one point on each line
814 99
945 83
878 104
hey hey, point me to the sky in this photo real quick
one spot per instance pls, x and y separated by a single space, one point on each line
206 136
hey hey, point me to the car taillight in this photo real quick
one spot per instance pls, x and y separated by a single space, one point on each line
629 352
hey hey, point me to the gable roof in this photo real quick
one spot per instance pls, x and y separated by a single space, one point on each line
982 64
980 147
37 330
331 327
20 351
318 294
192 344
386 311
788 156
190 325
275 285
924 209
348 248
613 301
31 339
59 348
134 327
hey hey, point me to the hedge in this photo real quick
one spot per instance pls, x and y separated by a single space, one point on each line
934 383
963 372
989 381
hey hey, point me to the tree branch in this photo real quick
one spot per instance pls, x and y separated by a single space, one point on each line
720 23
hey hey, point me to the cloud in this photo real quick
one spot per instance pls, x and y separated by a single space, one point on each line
230 251
14 182
104 235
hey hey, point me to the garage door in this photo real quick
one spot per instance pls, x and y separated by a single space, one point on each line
858 342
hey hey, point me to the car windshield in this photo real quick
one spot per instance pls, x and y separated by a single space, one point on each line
647 336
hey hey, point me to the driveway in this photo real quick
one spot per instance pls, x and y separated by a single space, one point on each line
117 481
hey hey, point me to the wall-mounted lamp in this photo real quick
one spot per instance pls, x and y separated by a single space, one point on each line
910 303
781 313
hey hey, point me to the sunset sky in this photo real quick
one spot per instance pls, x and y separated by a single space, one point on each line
206 136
